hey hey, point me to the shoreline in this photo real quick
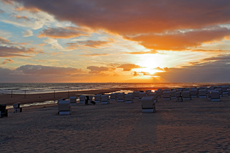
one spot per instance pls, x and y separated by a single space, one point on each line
42 97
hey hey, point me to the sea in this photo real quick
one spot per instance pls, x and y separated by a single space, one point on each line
36 88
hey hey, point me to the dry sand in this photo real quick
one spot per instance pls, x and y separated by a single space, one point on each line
197 125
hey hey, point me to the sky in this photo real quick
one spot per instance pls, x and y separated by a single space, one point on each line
160 41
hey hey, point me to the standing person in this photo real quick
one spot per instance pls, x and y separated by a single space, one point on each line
86 100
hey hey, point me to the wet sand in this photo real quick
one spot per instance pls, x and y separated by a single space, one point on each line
197 125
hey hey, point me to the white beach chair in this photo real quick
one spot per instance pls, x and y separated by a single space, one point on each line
154 95
104 99
215 95
135 96
82 99
148 92
225 89
112 97
63 107
141 95
166 95
186 95
120 97
17 108
129 98
173 94
202 93
194 92
148 105
97 98
73 101
219 89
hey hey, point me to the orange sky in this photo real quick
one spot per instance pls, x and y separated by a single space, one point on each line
114 41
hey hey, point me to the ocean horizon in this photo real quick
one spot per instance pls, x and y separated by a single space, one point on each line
35 88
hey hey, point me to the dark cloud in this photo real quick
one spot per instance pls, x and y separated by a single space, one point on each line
128 67
181 40
97 69
133 17
9 49
47 70
16 51
67 32
209 71
136 16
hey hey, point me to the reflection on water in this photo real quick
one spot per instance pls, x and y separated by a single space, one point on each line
34 104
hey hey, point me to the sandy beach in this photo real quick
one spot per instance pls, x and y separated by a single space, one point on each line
197 125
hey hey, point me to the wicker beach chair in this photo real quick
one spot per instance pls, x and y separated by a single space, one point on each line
120 97
136 96
64 107
202 93
154 95
104 99
73 100
17 108
186 95
129 98
97 98
141 95
82 99
214 95
194 92
173 94
166 95
148 105
112 97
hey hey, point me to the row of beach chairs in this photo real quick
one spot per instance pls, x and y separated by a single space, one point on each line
149 98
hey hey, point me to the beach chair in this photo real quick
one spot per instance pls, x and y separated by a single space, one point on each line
17 108
148 104
154 95
173 94
141 95
186 95
219 89
104 99
148 92
136 96
3 110
112 97
193 92
166 95
202 93
129 98
225 90
64 107
97 98
120 97
82 99
214 95
73 101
